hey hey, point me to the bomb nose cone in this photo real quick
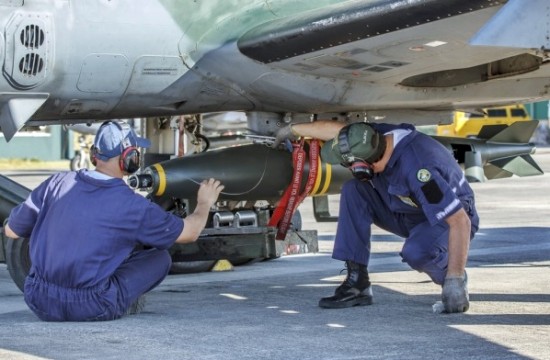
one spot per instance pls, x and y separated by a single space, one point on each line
140 181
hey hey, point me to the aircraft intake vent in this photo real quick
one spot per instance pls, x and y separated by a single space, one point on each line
32 37
29 43
31 64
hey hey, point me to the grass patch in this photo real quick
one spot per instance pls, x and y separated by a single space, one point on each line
33 164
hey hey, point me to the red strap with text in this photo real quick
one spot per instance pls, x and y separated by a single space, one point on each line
291 199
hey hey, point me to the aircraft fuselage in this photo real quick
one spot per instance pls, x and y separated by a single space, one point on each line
65 60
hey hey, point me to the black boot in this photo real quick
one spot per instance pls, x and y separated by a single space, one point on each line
354 291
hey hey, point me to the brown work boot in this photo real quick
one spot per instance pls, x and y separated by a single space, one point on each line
354 291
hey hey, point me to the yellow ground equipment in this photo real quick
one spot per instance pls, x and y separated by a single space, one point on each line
470 124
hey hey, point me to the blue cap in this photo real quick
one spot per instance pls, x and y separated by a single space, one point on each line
113 138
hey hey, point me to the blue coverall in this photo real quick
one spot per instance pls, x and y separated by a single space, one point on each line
83 233
420 187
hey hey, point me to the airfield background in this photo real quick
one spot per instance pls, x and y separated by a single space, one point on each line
52 143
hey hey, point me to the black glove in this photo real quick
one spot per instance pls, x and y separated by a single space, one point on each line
455 294
284 133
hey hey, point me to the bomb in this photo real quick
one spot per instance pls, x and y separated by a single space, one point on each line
248 172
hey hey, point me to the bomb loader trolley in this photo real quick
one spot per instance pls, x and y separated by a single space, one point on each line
239 228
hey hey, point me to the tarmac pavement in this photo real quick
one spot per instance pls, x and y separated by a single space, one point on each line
268 310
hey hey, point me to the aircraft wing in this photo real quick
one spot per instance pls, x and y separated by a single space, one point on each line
408 54
356 40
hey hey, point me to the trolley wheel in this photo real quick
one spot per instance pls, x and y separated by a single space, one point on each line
18 260
190 267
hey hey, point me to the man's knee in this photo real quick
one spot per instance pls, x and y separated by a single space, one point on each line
415 256
349 189
163 259
154 263
167 260
431 261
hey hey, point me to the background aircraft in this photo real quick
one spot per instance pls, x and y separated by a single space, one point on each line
280 61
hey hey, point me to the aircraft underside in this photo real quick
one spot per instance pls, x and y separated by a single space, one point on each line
282 61
62 64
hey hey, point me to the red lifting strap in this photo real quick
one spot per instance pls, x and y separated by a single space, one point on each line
291 199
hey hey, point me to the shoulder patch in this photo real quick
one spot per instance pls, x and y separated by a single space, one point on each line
423 175
432 192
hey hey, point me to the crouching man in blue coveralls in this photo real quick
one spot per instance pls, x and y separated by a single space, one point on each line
84 228
408 184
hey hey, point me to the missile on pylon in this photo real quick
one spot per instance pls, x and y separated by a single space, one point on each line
248 172
496 152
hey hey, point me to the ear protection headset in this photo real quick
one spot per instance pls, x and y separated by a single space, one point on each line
129 157
361 169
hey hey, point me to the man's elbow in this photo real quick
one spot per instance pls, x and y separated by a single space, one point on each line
459 219
189 234
9 232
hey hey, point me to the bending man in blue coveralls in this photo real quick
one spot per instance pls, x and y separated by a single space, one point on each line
406 183
84 228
